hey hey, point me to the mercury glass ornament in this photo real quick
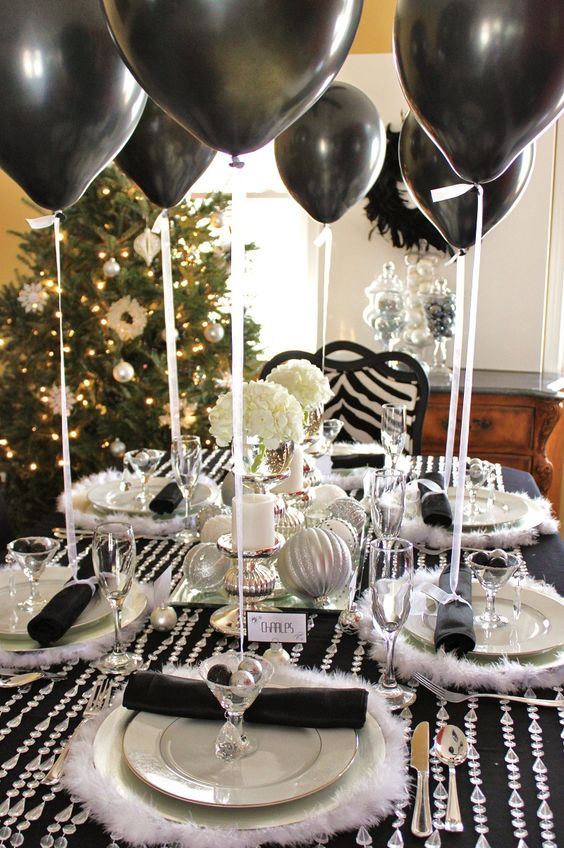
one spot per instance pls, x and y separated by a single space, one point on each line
214 332
164 618
123 372
117 448
111 267
205 566
440 312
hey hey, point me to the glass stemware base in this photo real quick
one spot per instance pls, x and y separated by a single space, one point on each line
119 662
397 696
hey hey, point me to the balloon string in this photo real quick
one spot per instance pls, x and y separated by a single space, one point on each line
237 362
456 364
325 238
467 400
41 223
162 226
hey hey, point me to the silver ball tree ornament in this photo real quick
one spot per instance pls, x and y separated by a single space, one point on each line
111 267
117 448
164 618
123 372
214 332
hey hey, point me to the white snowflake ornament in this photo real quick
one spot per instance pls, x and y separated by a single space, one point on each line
53 401
33 297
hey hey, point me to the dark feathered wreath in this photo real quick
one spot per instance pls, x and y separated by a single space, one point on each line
388 209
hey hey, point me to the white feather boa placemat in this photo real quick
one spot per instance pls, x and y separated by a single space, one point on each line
87 519
371 799
503 675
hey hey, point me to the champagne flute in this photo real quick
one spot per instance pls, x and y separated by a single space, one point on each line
114 559
186 461
394 431
386 493
390 581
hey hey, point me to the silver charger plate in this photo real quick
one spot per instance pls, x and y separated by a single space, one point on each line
134 607
109 497
14 621
176 757
508 509
111 764
538 629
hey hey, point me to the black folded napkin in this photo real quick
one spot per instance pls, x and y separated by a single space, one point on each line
435 506
454 629
152 692
61 612
167 499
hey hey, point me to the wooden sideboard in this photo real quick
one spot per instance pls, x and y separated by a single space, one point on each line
515 420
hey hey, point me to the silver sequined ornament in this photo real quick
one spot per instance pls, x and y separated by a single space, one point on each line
350 510
111 267
214 332
117 448
123 372
147 245
209 512
164 618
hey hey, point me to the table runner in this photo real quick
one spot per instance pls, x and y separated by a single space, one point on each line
509 788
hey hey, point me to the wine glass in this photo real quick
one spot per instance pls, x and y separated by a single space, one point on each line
235 679
390 581
114 560
143 463
32 553
492 569
186 461
394 431
386 493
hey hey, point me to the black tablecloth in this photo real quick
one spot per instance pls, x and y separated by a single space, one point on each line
30 728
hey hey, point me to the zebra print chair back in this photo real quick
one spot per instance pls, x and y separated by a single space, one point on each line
362 381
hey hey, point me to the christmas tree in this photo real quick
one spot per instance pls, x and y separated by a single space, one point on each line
115 351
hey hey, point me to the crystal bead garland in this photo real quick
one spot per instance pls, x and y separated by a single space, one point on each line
540 771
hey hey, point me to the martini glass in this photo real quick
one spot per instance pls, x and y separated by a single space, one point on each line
32 553
492 569
235 679
143 463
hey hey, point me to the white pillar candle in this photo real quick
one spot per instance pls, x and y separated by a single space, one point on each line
258 521
295 482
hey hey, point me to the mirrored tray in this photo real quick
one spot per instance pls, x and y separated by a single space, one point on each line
111 764
176 757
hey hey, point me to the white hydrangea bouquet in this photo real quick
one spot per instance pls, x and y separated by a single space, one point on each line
270 413
305 381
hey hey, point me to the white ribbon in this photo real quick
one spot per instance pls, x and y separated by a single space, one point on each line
38 224
439 195
432 487
325 238
440 596
162 227
456 364
237 360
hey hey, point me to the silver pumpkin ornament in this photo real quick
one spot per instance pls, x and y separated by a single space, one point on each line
316 563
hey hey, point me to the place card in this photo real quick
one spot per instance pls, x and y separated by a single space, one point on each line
276 626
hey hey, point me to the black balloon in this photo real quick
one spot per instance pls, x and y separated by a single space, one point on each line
424 168
484 77
329 158
68 102
235 73
163 158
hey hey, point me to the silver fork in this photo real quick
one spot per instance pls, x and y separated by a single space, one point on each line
99 699
458 697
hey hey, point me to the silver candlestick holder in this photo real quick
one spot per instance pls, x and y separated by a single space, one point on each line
258 582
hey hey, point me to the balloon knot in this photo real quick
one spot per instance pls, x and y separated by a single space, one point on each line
236 162
60 215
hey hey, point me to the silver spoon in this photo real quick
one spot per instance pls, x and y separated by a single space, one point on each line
451 748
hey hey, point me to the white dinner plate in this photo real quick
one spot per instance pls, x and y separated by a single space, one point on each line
134 607
110 762
14 621
176 757
538 629
109 497
507 510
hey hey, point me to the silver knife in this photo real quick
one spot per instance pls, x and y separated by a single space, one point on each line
421 824
20 679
